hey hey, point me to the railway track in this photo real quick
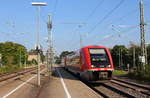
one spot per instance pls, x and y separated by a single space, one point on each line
142 89
100 88
116 88
9 75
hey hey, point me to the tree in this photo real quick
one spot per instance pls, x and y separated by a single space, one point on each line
57 60
42 56
120 55
134 48
63 54
148 54
12 53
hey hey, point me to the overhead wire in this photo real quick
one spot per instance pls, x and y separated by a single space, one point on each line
52 18
106 16
54 15
94 10
88 17
126 15
122 34
147 4
130 27
119 33
133 27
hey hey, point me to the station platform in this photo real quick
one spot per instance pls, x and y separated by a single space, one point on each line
64 85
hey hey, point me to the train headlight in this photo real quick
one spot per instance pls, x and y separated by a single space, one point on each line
109 66
92 66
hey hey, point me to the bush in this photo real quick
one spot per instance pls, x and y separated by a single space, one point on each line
119 73
143 75
9 69
34 62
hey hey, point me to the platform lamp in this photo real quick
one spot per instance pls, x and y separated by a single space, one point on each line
38 4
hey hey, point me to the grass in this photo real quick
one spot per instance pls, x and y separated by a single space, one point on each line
139 77
6 69
120 73
9 69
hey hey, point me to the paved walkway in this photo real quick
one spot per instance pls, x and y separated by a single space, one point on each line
63 85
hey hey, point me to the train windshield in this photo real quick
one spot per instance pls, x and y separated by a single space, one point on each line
99 56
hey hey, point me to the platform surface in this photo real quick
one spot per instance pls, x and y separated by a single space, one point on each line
64 85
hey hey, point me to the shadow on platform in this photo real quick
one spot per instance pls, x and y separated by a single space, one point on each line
57 71
32 84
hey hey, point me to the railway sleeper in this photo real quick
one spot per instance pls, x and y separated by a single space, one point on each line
118 90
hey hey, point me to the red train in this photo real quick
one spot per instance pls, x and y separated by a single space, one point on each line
91 63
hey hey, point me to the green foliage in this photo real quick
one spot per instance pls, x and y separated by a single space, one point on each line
148 54
42 56
123 52
127 55
144 73
119 73
12 53
34 62
57 60
9 69
65 53
141 75
147 70
137 54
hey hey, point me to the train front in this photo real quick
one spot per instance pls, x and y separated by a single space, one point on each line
99 63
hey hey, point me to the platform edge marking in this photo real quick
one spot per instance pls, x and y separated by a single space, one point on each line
11 92
63 83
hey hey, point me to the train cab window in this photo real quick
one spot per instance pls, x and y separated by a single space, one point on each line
98 56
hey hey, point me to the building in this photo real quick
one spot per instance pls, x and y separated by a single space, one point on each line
32 56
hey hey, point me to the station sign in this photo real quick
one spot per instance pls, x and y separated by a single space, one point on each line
142 59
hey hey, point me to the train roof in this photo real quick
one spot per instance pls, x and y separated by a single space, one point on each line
94 46
76 53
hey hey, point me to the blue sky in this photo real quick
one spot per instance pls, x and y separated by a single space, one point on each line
18 18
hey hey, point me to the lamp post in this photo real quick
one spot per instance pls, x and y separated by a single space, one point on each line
38 4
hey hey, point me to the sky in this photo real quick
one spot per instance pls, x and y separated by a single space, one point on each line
97 22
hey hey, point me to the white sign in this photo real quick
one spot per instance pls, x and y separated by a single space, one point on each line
142 59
